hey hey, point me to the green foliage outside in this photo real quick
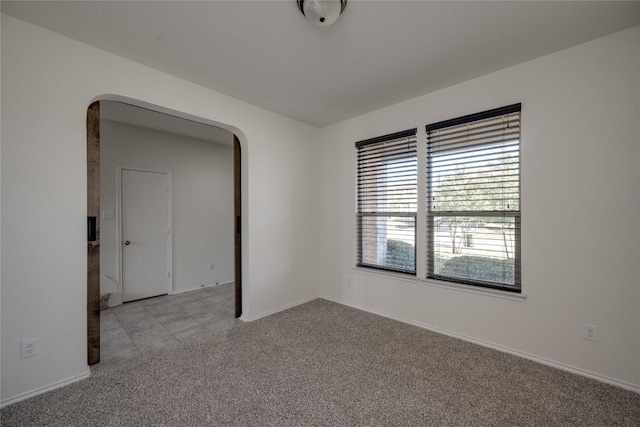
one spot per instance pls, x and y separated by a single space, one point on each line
480 188
400 255
480 268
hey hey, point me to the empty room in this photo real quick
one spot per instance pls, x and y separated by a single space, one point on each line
390 213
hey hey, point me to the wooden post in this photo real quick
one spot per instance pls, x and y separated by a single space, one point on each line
238 223
93 248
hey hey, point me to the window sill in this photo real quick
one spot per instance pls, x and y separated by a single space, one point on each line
475 290
388 274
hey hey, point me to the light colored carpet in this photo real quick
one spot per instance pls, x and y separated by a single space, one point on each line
324 364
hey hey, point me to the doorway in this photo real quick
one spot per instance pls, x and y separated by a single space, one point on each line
94 210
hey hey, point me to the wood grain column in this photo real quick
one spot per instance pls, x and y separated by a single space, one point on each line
237 174
93 248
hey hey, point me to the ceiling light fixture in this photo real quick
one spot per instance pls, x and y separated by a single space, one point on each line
322 12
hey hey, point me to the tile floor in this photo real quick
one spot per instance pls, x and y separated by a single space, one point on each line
142 328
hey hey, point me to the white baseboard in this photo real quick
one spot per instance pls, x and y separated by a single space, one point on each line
554 364
44 389
278 309
114 302
224 283
213 285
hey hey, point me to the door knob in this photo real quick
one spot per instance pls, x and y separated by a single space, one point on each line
127 243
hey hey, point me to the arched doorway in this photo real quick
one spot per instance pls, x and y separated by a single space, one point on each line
93 223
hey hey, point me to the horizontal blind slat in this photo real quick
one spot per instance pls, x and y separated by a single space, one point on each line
512 119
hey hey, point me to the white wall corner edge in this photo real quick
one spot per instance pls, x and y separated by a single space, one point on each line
552 363
50 387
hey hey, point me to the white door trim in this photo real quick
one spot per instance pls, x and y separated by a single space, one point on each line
119 169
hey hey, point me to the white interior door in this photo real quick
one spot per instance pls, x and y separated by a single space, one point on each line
145 234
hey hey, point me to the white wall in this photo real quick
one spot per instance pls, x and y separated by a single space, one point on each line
580 211
580 161
48 81
202 202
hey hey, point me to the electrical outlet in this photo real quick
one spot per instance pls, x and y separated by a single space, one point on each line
348 281
211 267
29 348
590 332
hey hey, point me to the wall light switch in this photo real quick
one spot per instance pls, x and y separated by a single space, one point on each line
211 267
108 214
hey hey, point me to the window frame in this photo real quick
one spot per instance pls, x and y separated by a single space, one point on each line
431 214
363 212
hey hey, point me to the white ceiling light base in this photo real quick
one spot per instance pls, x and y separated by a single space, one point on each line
322 13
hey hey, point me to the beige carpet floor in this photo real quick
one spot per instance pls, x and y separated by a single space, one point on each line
324 364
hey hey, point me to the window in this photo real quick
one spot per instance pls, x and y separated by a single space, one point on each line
473 199
387 202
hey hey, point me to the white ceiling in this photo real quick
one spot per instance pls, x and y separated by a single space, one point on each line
124 113
377 54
